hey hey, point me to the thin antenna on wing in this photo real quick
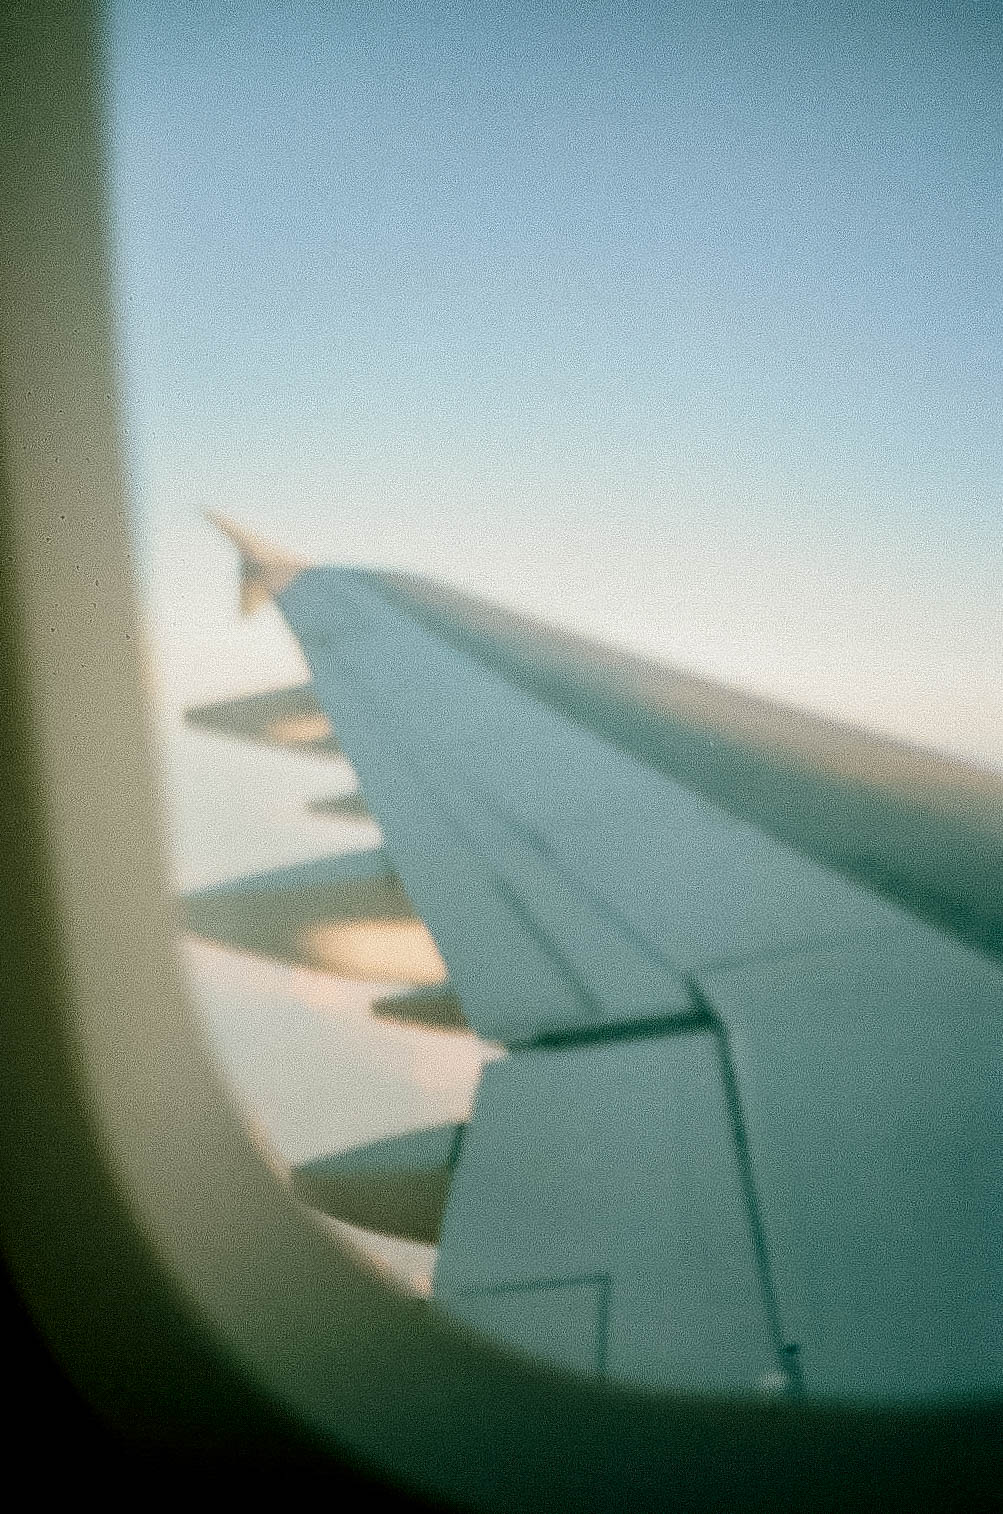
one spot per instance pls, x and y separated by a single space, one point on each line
265 570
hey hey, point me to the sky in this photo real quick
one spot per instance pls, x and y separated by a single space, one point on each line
676 324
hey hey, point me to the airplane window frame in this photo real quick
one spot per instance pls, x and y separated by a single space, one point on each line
162 1259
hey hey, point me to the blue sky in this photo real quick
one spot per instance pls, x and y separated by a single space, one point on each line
679 323
676 323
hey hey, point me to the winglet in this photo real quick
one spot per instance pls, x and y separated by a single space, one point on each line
264 570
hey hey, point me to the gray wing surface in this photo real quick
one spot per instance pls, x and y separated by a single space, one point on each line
745 1138
568 885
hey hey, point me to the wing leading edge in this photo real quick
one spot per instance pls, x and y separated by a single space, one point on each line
745 1138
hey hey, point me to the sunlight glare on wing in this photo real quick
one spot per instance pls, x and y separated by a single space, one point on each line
376 951
300 730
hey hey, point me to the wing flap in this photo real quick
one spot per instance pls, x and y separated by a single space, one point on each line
613 1164
561 1320
871 1093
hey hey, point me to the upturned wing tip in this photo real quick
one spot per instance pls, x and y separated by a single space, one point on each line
265 570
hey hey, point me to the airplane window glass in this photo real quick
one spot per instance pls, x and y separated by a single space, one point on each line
565 473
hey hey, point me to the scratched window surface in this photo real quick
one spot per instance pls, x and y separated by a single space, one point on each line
676 328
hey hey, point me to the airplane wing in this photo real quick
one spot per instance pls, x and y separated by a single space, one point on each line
745 1138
